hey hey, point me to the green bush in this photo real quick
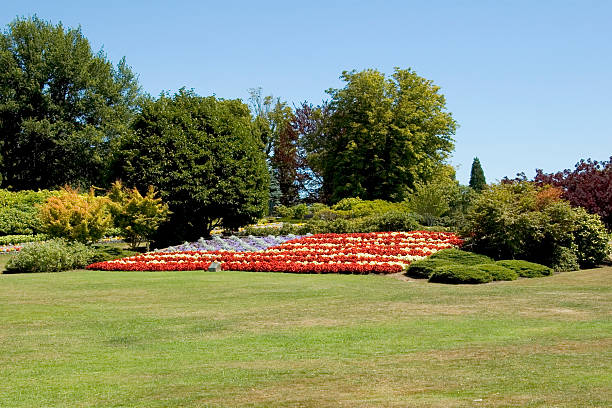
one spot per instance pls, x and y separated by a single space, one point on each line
526 269
424 268
591 239
389 221
460 257
498 272
21 239
458 274
19 212
50 256
564 260
519 220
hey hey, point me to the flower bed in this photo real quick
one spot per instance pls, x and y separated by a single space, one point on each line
232 243
377 252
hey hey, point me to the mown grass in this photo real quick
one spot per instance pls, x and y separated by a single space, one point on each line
200 339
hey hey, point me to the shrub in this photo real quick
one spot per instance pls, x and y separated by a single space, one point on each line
74 216
460 257
20 239
458 274
526 269
498 272
564 260
389 221
424 268
19 212
358 208
591 239
50 256
137 216
518 220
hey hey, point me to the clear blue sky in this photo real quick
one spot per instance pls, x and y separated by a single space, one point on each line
529 82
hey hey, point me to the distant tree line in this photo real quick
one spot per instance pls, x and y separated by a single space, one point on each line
68 116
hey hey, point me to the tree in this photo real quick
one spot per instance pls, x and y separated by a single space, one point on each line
477 177
62 107
589 186
383 135
273 119
204 157
308 126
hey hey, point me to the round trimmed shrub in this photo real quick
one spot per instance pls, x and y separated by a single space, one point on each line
526 269
424 268
458 274
498 272
460 257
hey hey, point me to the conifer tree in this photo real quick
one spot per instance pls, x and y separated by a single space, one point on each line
477 177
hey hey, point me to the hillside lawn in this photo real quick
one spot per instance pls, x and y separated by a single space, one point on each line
203 339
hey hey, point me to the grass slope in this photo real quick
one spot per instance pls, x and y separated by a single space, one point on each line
199 339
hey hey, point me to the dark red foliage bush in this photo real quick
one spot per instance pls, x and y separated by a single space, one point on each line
589 186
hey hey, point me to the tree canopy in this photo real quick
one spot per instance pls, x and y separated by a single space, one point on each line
62 106
382 135
204 157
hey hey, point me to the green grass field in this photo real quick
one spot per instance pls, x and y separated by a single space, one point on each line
200 339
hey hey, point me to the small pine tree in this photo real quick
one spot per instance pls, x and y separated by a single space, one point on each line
477 177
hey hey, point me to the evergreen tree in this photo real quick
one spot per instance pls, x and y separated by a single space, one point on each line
477 177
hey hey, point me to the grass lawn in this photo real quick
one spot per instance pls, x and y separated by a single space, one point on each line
202 339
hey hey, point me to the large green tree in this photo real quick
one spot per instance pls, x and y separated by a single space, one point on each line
62 106
204 157
383 135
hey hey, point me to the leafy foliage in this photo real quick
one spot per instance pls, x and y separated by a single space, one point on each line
136 215
19 211
204 157
381 136
589 186
77 217
50 256
518 220
20 239
62 107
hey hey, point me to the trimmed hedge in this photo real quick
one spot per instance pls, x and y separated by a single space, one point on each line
458 274
498 272
526 269
460 257
424 268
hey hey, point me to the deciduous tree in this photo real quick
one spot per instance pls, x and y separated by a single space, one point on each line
62 106
205 159
383 135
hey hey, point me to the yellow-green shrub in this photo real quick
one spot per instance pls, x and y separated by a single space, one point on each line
76 217
136 215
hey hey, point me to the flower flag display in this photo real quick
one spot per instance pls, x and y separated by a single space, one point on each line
360 253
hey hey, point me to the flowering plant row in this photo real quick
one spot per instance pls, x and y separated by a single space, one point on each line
376 252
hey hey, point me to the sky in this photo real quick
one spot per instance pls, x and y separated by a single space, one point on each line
529 82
